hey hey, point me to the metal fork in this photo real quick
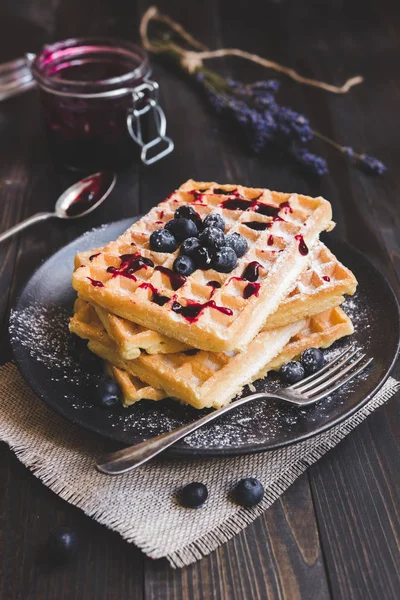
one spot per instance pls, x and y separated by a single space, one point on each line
310 390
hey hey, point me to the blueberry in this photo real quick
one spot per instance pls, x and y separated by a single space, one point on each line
248 492
62 545
312 360
214 220
184 265
189 245
107 393
188 212
162 241
238 243
292 371
202 257
212 237
224 260
181 228
193 495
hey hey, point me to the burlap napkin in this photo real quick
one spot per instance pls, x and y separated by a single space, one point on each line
141 505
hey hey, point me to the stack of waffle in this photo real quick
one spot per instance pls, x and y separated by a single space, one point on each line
200 339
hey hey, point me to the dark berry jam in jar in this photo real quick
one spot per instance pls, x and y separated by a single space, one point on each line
95 93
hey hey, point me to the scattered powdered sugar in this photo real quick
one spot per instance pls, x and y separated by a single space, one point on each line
43 332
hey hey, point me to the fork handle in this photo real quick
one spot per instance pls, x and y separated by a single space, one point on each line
130 458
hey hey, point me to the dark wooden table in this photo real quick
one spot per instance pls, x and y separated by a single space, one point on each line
335 532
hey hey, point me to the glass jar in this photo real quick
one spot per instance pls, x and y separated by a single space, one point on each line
95 93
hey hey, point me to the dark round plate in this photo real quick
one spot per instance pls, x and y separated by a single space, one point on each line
43 351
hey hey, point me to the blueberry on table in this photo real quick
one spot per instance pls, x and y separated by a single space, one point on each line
224 260
248 492
189 245
62 545
212 237
181 228
106 393
162 240
184 265
238 243
292 371
312 360
193 495
202 257
214 220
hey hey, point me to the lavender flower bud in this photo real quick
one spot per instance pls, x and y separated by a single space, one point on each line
308 159
371 164
294 125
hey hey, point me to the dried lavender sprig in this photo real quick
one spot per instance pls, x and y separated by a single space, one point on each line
367 162
264 121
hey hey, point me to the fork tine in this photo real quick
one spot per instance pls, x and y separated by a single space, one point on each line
342 381
328 374
303 384
328 380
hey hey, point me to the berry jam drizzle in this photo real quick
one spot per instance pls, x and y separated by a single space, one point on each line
270 241
176 280
236 204
266 209
130 263
93 189
302 245
251 272
222 192
215 285
286 205
192 310
251 289
326 278
243 204
257 225
94 256
157 298
96 283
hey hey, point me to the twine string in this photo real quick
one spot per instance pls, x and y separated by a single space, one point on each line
192 60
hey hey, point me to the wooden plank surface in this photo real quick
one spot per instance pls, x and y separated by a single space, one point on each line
335 532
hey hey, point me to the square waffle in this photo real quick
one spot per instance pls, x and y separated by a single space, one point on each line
279 228
206 379
336 324
319 287
196 377
132 388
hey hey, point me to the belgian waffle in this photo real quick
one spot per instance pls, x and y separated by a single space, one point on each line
279 243
196 377
318 288
132 388
206 379
335 324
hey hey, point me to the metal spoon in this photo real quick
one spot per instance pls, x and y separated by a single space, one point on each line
77 201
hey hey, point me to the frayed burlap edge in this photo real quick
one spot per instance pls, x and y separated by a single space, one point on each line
313 449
